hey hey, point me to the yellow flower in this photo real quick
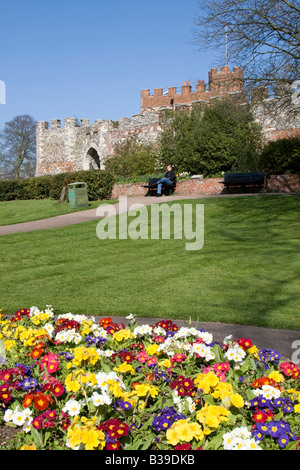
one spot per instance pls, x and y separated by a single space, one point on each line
183 430
165 363
211 416
207 382
71 384
85 329
85 433
237 400
297 408
9 344
141 390
83 354
125 367
115 388
254 351
152 349
275 375
26 447
122 335
92 439
211 421
172 436
223 390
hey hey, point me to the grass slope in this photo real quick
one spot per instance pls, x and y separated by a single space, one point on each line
15 212
247 271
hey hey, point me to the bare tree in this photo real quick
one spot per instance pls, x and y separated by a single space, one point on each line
260 36
18 145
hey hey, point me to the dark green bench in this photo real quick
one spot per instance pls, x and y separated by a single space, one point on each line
243 181
152 187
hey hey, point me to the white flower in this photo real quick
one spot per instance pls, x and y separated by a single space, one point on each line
8 415
203 351
235 354
103 377
34 311
100 399
18 418
49 328
268 392
72 407
240 439
142 330
106 353
131 316
67 336
158 330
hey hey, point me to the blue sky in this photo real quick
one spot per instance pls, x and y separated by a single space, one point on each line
91 58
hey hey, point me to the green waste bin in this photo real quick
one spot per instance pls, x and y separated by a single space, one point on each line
78 196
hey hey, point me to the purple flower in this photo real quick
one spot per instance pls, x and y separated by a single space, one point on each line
165 418
269 355
283 440
275 429
126 405
28 383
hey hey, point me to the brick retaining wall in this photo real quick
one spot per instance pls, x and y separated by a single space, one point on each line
209 186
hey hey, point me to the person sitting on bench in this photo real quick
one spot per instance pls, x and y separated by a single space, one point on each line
168 180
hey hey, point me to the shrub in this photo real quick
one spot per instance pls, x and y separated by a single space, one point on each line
281 157
133 158
223 137
99 185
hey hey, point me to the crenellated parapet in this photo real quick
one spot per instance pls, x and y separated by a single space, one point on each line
77 145
220 83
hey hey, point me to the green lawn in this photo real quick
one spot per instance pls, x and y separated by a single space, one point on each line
14 212
247 272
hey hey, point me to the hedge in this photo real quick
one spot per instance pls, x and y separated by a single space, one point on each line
99 185
281 156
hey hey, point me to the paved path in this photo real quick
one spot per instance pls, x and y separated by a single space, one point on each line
81 216
287 342
90 214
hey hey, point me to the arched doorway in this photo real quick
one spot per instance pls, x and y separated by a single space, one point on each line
93 159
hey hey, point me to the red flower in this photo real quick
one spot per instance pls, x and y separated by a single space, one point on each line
35 353
27 400
290 369
245 343
5 397
113 446
185 446
58 389
37 423
262 416
42 401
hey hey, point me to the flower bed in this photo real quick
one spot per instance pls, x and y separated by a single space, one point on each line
68 382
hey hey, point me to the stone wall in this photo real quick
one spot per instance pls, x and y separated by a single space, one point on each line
75 147
210 186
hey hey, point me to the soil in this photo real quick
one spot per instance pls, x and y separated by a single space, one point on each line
6 433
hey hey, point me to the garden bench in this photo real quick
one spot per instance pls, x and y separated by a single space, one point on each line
254 180
152 187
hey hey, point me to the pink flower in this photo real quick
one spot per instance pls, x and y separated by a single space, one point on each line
142 356
179 357
152 361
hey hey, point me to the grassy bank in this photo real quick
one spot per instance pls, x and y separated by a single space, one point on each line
15 212
247 271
